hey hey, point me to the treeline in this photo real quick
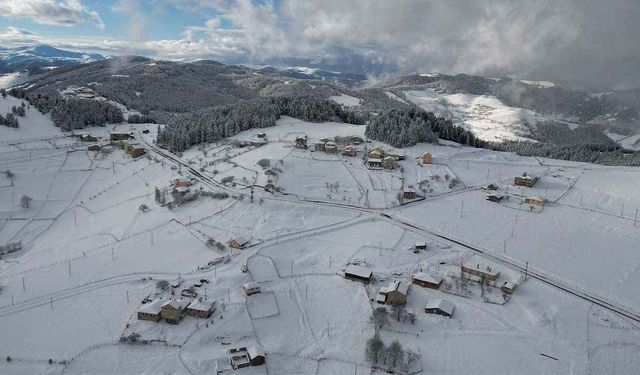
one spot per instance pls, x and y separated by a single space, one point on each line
9 120
73 113
605 154
213 124
407 127
140 119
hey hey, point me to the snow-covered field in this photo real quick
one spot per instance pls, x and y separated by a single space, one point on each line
90 257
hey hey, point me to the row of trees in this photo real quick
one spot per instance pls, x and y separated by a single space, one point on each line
213 124
9 120
407 127
606 154
391 357
140 119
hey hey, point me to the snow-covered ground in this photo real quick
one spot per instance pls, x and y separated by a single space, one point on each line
90 257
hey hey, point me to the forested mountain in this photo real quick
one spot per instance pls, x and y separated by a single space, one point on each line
35 58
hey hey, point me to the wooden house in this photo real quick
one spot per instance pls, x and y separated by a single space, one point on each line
526 180
376 153
480 270
173 310
440 307
426 158
426 280
397 155
120 136
331 147
201 308
389 163
181 182
396 293
319 146
409 194
151 311
250 288
535 201
350 150
358 273
133 148
508 287
238 243
256 355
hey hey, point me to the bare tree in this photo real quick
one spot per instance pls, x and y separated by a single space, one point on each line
380 317
374 350
143 207
412 358
394 354
25 201
398 311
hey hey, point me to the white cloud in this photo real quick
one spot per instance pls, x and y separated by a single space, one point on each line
50 12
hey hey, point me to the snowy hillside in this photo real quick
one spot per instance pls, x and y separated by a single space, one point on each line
99 244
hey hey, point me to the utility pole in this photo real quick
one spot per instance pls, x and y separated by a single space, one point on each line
69 266
292 268
75 220
462 209
622 209
526 271
127 296
113 256
23 286
51 302
635 219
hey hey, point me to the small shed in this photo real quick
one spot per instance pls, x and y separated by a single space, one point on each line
420 246
535 201
508 287
319 146
494 198
492 187
389 163
94 147
426 158
238 243
250 288
330 147
201 308
439 306
174 310
374 162
426 280
151 311
376 153
358 273
397 155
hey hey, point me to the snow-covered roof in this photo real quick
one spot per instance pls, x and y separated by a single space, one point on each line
440 304
421 244
175 303
433 279
251 285
481 267
375 160
241 240
382 297
359 271
255 351
535 197
202 305
152 307
403 288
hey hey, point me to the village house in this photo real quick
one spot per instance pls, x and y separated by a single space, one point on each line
409 194
526 180
330 147
301 142
535 201
358 273
174 310
426 158
440 307
85 137
494 197
508 287
492 187
151 311
181 182
397 155
133 148
94 147
428 281
350 150
238 242
389 163
201 308
250 288
241 357
374 162
376 153
480 270
395 294
120 136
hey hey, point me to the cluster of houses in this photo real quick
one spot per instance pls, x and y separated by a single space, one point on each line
174 310
329 146
524 180
128 143
378 158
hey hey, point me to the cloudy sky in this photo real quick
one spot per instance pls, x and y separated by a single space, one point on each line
586 41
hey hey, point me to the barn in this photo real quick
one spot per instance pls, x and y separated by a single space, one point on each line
426 158
358 273
238 242
439 306
535 201
173 310
201 308
526 180
426 280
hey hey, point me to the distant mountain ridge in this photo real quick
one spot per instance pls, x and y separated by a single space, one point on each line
37 58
